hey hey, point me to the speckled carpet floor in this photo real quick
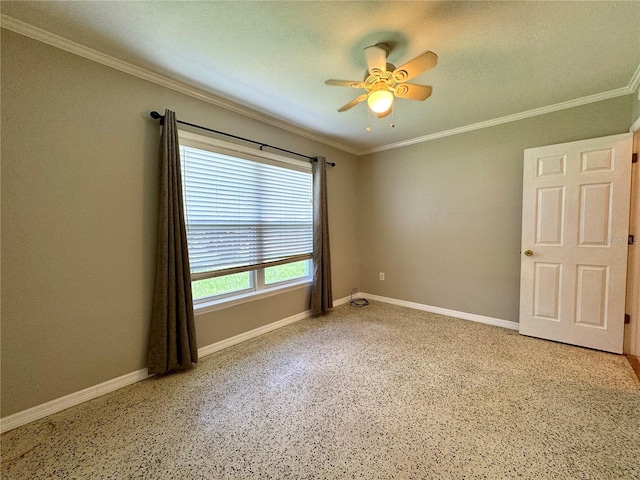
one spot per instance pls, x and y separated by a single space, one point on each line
378 392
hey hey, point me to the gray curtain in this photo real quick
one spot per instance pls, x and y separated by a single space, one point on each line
172 339
321 296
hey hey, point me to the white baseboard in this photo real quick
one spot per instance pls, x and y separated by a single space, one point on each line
256 332
444 311
40 411
341 301
243 337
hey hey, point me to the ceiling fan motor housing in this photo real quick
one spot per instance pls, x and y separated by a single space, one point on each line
379 80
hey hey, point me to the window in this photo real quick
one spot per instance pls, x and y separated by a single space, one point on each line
249 218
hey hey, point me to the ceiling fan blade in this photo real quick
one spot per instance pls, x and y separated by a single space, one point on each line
415 67
413 91
354 102
376 58
344 83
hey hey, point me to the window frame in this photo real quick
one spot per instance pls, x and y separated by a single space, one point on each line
258 288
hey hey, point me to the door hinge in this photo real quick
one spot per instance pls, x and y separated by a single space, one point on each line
632 239
634 158
627 318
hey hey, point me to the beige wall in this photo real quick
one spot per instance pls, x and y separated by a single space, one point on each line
79 175
442 219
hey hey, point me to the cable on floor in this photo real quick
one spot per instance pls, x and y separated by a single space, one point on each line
358 302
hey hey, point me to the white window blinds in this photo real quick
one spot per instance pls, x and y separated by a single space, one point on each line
244 214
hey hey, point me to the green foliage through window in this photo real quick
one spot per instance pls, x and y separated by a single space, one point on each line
221 285
288 271
238 282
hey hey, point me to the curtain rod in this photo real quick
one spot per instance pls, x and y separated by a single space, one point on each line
156 116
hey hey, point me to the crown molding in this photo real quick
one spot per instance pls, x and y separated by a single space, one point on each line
62 43
180 86
506 119
635 81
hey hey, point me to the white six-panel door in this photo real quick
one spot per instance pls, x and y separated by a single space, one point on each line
575 225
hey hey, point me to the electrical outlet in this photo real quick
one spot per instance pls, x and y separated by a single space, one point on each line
382 276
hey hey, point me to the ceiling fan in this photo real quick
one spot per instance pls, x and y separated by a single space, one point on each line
383 81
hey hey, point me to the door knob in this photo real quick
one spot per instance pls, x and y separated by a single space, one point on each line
528 253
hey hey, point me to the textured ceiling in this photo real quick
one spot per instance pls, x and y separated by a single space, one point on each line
495 58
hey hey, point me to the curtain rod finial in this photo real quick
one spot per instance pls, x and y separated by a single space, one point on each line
155 115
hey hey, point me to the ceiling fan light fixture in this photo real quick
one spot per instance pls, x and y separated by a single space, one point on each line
380 101
383 82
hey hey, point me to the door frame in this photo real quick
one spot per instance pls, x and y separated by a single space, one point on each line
632 330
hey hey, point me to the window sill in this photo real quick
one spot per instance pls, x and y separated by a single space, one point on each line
226 302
